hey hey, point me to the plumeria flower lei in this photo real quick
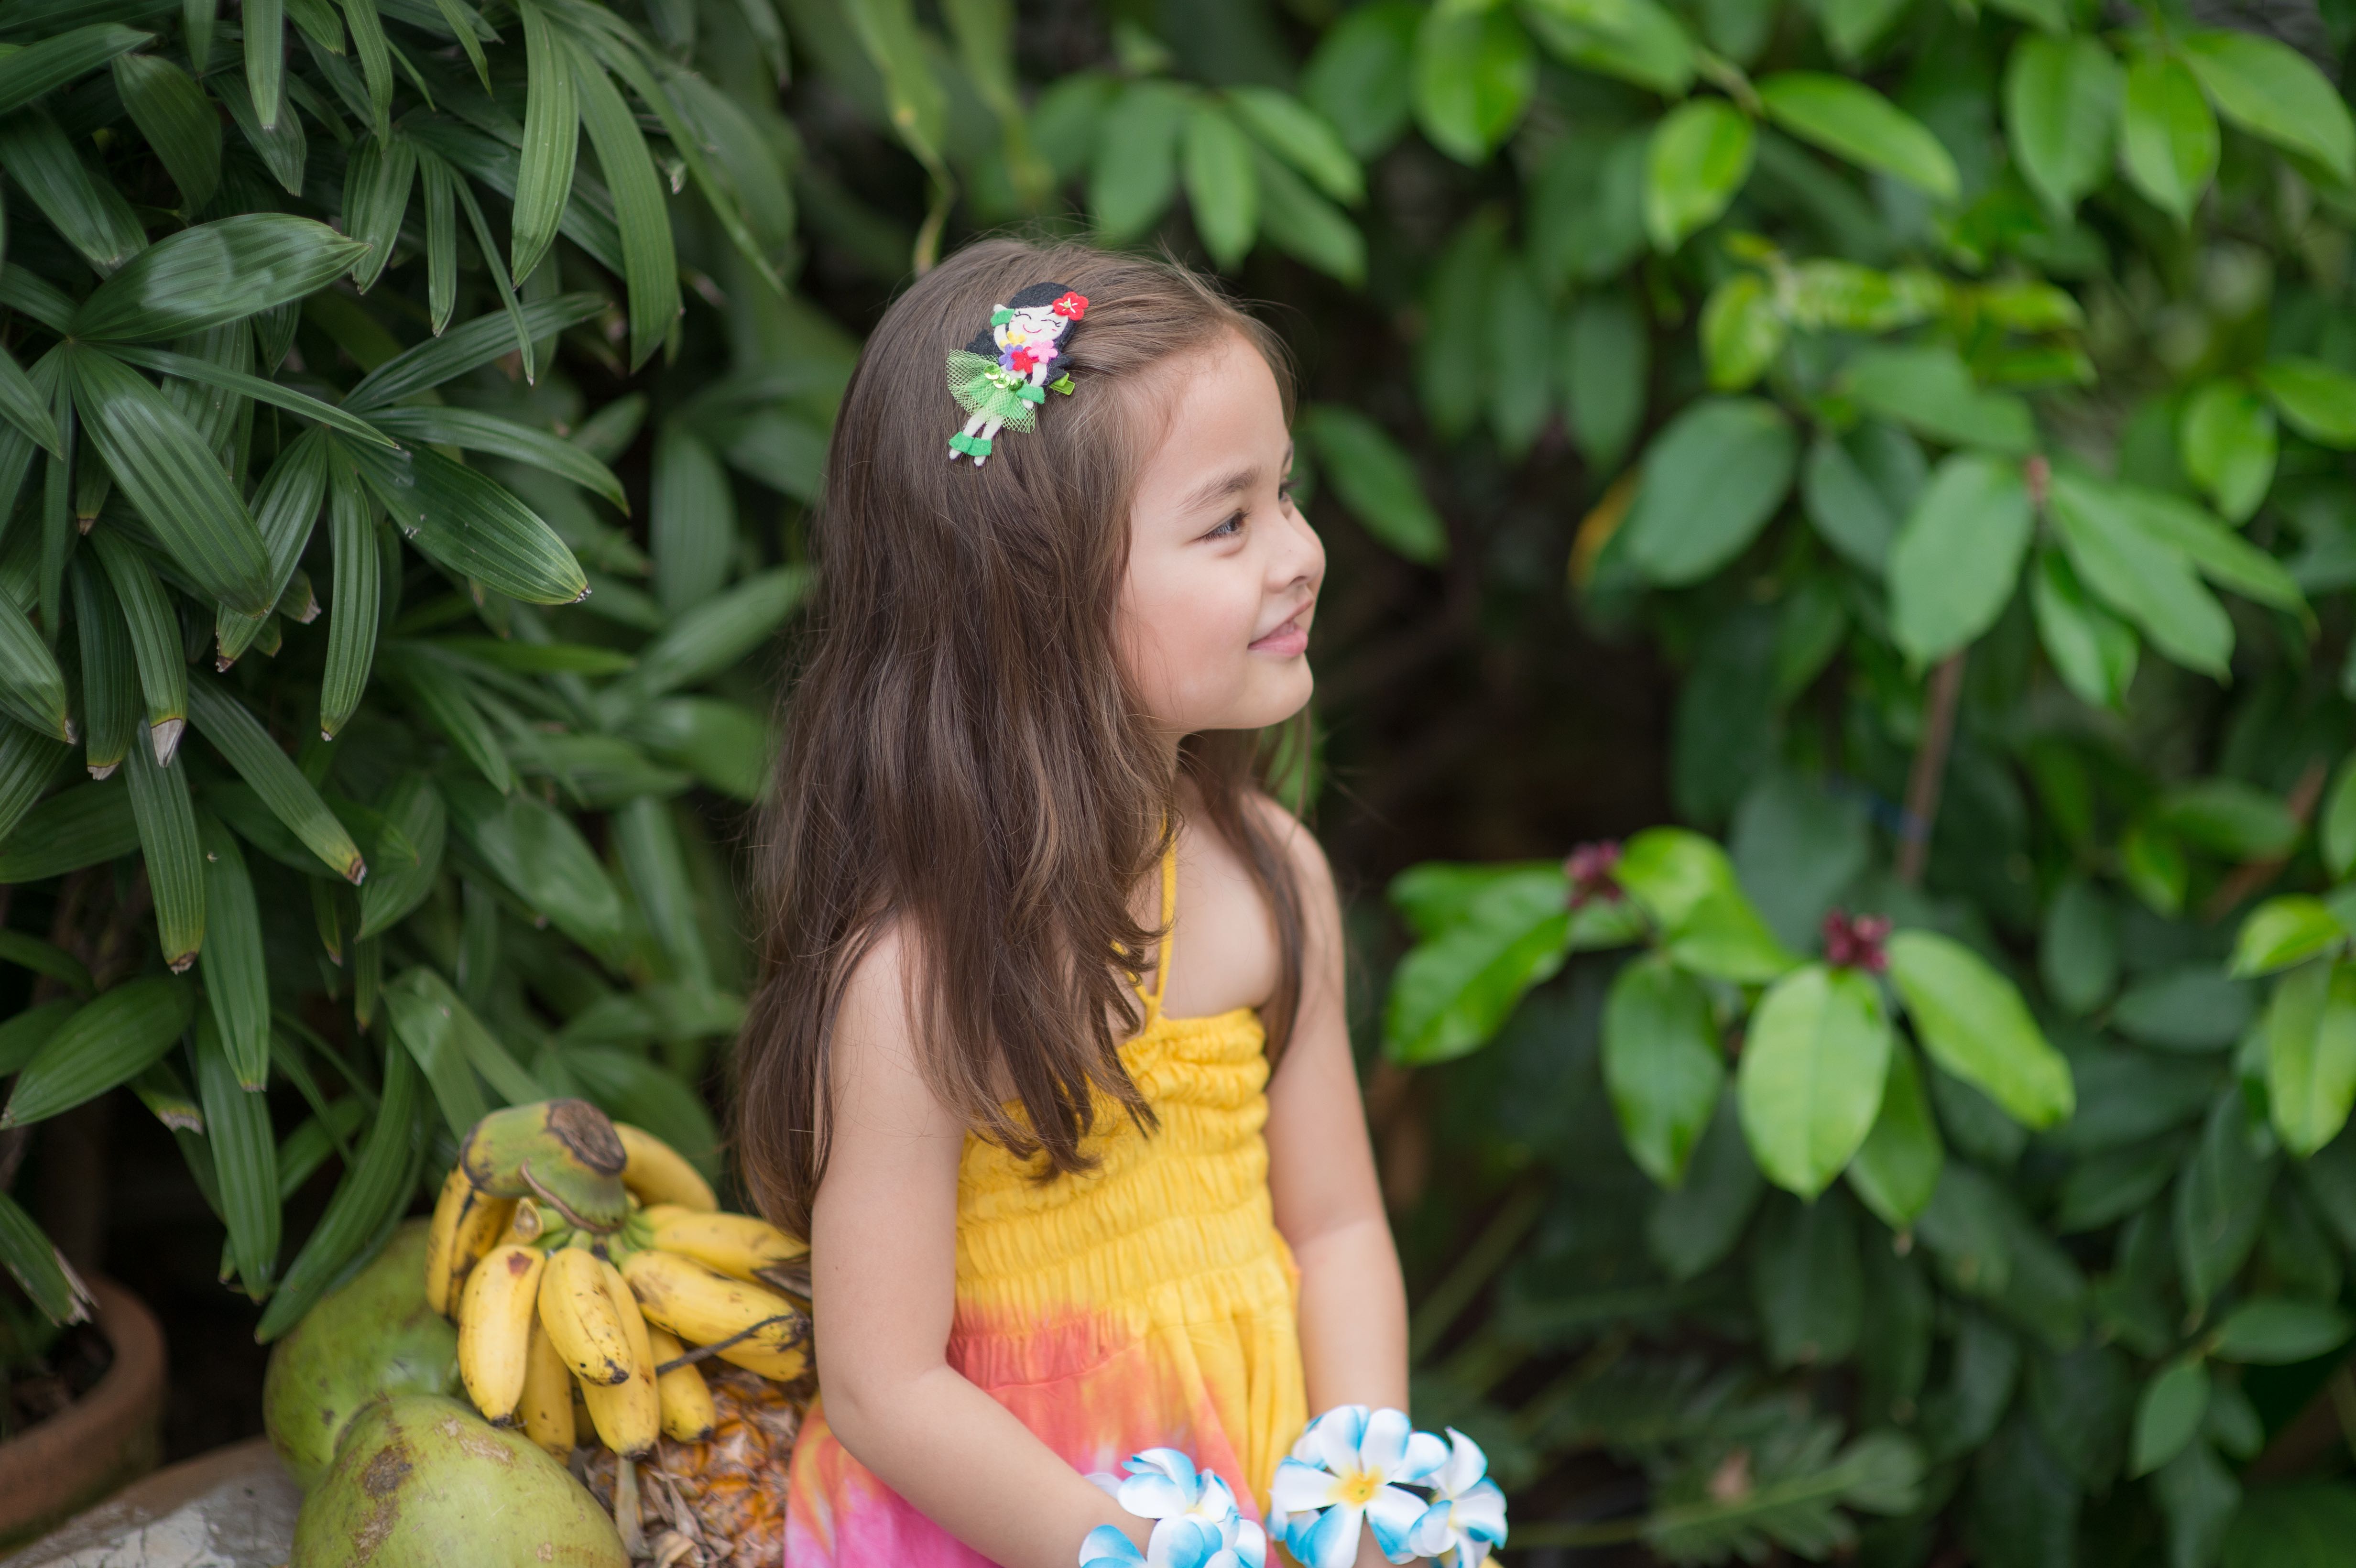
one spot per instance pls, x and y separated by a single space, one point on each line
1350 1469
1196 1521
1467 1516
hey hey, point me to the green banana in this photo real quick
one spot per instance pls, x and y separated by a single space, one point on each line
562 1152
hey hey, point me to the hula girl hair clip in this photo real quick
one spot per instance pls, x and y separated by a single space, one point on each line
1002 376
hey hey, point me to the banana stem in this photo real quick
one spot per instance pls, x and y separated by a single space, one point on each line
692 1354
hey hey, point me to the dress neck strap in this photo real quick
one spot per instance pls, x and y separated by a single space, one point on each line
1153 998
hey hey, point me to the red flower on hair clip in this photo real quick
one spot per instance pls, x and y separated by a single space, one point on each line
1071 305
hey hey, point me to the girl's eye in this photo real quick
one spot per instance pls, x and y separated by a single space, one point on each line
1228 530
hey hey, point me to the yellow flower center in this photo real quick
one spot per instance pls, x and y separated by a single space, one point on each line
1359 1487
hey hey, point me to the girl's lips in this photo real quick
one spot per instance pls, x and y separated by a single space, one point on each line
1288 641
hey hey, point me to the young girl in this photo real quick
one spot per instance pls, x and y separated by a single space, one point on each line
1049 1059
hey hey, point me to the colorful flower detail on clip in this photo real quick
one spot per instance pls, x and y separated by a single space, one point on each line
1467 1516
1196 1522
1351 1469
1002 376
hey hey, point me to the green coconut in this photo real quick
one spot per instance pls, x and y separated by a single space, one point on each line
375 1336
420 1481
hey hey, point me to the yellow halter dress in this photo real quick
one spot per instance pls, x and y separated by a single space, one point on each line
1148 1303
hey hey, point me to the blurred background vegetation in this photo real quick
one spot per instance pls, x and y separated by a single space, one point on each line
1899 443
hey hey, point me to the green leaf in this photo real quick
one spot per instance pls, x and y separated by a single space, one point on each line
448 1039
2146 580
1711 481
2167 137
446 699
2093 650
355 601
464 349
414 811
162 463
1221 189
1305 225
2273 1331
474 527
2336 833
1135 172
371 1195
1957 556
1694 1227
1742 332
212 273
2168 1412
376 59
544 859
172 112
1853 27
32 687
1376 480
2061 112
1451 994
1302 138
1928 389
265 57
1974 1024
23 405
2221 556
2221 1202
1687 884
1359 76
1807 1288
82 205
1474 72
153 626
377 182
551 139
2270 90
281 146
1700 158
721 742
1662 1063
2318 399
1896 1170
645 839
42 67
2310 1035
1810 1075
2227 437
2230 819
1856 487
107 1041
709 638
241 384
478 432
2284 931
237 978
650 264
75 828
692 528
1851 120
245 1160
1604 365
176 864
1635 40
630 1088
222 719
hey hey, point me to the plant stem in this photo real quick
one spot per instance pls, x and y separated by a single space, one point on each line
1930 767
1486 1255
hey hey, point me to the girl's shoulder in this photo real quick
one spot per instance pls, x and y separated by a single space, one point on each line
1224 945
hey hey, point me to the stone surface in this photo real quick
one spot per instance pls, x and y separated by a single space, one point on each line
233 1507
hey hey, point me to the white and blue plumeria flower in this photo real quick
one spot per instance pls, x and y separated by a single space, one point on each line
1196 1521
1467 1516
1345 1473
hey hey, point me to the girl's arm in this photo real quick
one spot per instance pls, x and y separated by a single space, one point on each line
1329 1205
884 1265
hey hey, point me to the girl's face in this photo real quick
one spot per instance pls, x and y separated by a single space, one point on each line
1223 569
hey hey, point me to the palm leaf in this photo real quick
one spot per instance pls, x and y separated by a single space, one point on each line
551 139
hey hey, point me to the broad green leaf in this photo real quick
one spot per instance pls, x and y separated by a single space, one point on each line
2168 1412
649 264
1851 120
1810 1078
477 431
1807 1290
2220 1201
1853 27
161 463
1855 488
376 59
1302 137
237 980
2284 931
1222 191
42 67
2227 437
1605 359
2093 650
723 744
1662 1063
373 1192
222 719
691 525
283 147
464 349
1896 1170
2230 818
2060 113
238 383
2272 90
1376 480
917 106
543 861
448 1039
473 525
1957 556
1711 481
109 688
23 406
153 626
1474 72
2275 1331
214 272
107 1041
2318 399
647 841
1451 994
245 1160
1930 390
176 862
266 58
1974 1024
356 599
1742 332
1689 886
1305 225
75 828
2221 556
2310 1035
1135 172
709 638
1520 333
2336 833
1700 156
32 687
179 122
1694 1227
40 1269
1359 76
2145 579
2167 137
551 139
446 699
377 182
1635 40
82 205
403 879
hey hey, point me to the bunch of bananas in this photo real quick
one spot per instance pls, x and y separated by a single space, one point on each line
584 1259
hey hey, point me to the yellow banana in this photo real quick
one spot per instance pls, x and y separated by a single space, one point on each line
495 1329
581 1320
547 1411
658 1173
466 1223
704 1306
738 1245
628 1414
688 1413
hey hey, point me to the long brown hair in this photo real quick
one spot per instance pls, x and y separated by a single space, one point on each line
962 757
